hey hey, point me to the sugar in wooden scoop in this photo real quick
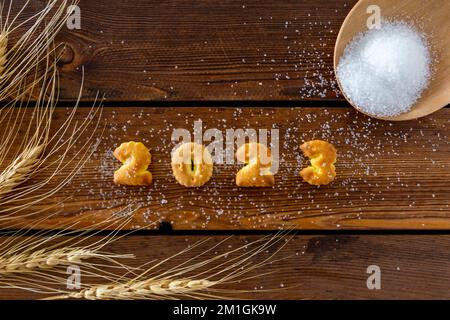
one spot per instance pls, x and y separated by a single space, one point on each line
384 71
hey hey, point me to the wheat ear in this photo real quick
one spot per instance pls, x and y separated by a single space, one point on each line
46 259
146 288
20 169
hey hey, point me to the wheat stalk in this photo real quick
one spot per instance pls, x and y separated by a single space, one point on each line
32 47
3 44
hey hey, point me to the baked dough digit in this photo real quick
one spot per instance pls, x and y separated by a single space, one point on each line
192 164
322 156
256 172
135 158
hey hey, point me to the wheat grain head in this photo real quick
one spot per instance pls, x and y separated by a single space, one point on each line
43 259
20 169
142 289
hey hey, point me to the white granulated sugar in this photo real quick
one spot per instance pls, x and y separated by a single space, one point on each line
384 71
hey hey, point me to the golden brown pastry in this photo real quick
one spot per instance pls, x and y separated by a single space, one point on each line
322 156
192 164
256 172
135 158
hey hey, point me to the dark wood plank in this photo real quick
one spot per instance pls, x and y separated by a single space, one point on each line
389 175
200 49
318 266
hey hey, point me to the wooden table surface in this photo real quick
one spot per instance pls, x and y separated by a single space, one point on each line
264 65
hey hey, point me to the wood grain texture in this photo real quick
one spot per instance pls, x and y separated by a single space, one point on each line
318 266
202 49
389 175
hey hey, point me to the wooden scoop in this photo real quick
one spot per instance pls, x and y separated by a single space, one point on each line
429 16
